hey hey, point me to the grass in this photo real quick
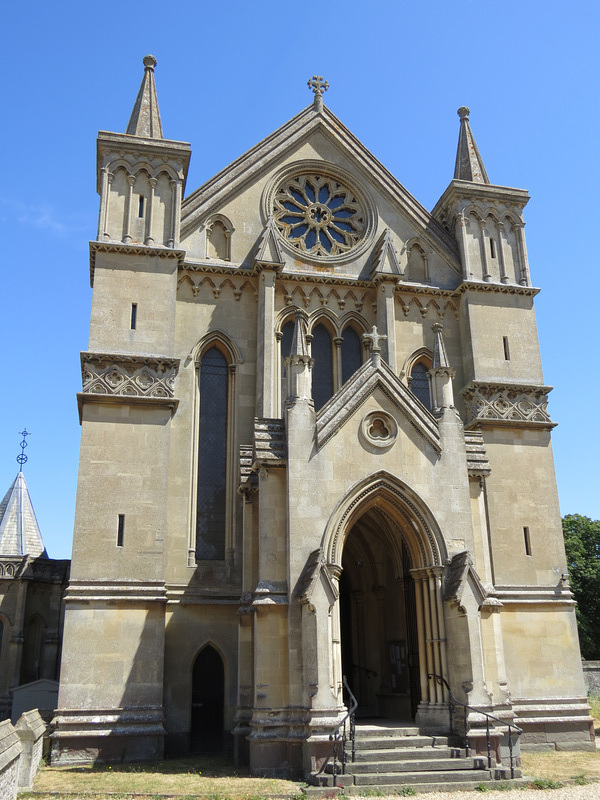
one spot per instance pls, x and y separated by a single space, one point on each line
562 766
213 778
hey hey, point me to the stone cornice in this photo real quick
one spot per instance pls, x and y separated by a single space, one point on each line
498 288
116 591
535 595
458 189
131 249
211 267
496 403
127 378
47 570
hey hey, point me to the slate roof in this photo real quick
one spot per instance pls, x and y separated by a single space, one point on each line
19 530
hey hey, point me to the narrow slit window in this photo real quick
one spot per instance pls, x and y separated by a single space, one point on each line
141 207
121 530
527 539
492 247
133 316
506 348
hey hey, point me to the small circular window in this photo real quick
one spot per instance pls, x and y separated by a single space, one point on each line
379 429
319 215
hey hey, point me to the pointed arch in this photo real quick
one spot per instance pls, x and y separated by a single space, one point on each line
214 445
416 522
208 682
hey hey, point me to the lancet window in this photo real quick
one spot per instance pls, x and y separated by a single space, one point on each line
351 353
211 498
420 384
322 377
287 335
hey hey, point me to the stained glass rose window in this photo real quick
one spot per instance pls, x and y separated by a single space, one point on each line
319 215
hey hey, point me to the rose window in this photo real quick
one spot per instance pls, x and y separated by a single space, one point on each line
319 215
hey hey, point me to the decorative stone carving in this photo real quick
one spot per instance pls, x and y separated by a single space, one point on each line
379 429
507 404
128 376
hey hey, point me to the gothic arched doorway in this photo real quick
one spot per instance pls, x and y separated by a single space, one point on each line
208 700
378 622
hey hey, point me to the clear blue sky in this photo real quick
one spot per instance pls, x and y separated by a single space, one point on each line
229 74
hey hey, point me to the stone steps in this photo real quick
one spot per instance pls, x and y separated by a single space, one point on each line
391 756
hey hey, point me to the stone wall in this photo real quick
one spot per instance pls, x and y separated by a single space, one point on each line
591 673
10 756
20 753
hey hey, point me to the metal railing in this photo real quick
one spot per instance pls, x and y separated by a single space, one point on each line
454 702
345 730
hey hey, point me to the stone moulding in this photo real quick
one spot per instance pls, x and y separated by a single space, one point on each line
35 569
131 249
109 377
109 592
521 405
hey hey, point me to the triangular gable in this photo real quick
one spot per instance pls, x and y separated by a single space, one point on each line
386 262
315 568
361 386
273 149
19 530
269 249
460 574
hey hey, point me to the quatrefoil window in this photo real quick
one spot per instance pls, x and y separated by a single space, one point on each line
319 215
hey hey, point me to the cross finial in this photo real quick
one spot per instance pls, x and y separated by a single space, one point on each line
22 458
374 338
318 86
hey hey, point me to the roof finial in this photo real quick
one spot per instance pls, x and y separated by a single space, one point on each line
318 86
469 164
22 458
145 117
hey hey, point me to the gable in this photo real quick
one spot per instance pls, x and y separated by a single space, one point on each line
367 380
319 143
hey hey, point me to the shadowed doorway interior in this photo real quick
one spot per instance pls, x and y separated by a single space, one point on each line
378 624
208 699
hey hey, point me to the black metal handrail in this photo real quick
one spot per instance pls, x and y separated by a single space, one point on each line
358 668
339 734
488 717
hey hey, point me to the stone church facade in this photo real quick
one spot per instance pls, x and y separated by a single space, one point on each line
315 444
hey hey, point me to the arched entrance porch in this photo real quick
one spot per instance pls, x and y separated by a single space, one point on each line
378 623
388 551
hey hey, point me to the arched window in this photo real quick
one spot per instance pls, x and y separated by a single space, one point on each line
351 353
419 383
287 335
212 457
322 376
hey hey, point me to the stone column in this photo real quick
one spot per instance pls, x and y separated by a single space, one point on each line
523 261
128 200
501 263
337 343
464 247
265 344
386 319
149 240
484 254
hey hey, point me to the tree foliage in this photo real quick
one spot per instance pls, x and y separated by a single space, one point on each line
582 544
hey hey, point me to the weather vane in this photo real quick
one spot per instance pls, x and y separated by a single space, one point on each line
22 458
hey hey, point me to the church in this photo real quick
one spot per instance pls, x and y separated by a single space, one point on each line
315 453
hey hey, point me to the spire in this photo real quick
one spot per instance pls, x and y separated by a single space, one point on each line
441 374
440 358
145 117
19 530
299 346
469 164
269 251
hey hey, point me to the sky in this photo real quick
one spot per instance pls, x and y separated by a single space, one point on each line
230 73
